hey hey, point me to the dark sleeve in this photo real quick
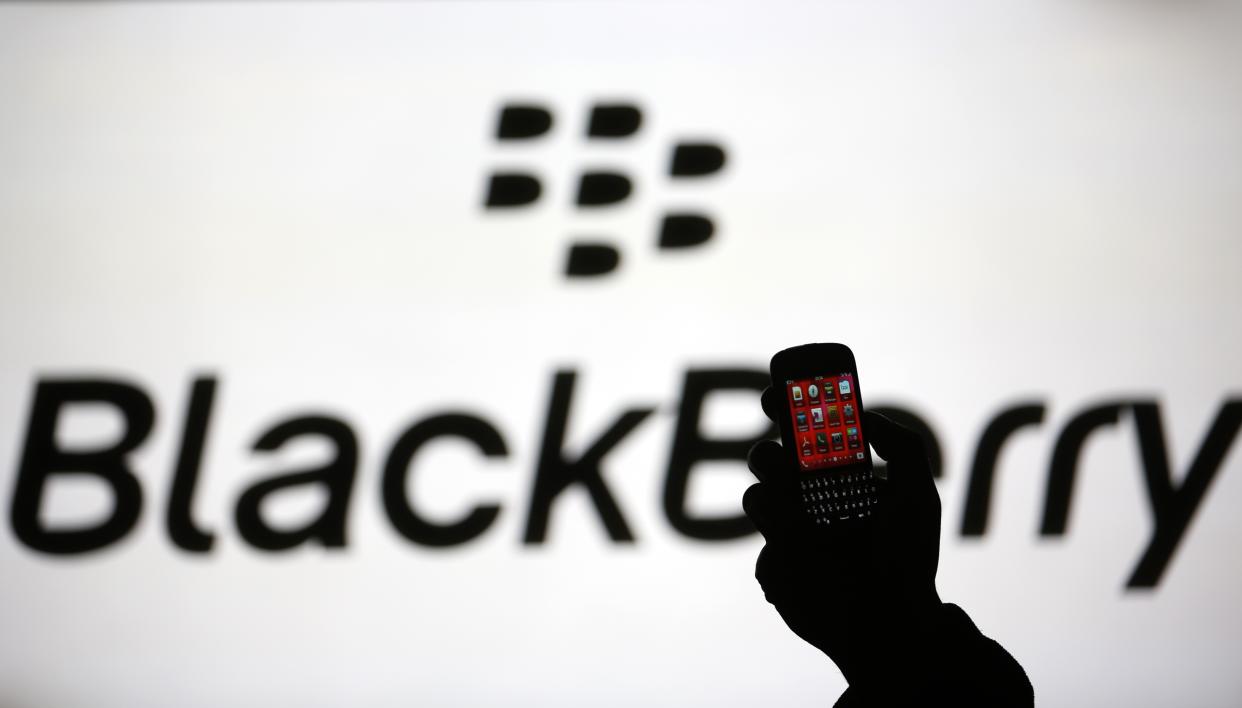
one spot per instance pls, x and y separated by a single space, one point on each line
956 666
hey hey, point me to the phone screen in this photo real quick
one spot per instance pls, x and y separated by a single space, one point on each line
826 421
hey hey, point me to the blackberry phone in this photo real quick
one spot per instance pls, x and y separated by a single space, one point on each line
820 414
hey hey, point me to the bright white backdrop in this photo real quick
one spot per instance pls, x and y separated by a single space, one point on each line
1023 200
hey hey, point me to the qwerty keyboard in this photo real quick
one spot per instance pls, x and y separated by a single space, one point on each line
838 496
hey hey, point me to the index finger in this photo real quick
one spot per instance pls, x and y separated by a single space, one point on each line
768 399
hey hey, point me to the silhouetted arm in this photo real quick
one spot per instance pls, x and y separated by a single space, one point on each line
865 594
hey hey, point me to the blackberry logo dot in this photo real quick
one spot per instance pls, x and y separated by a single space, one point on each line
587 259
614 121
521 122
510 190
600 188
696 159
685 230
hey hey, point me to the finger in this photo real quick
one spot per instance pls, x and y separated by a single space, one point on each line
769 511
759 509
771 570
770 401
765 575
767 460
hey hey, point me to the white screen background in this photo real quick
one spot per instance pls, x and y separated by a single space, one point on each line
1029 201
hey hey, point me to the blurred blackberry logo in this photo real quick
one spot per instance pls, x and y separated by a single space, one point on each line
603 189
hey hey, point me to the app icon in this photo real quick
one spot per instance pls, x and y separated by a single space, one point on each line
813 392
859 455
821 443
852 434
834 416
849 413
806 447
837 443
817 417
796 394
830 393
801 418
844 387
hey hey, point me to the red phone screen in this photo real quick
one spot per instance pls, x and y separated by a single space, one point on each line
827 421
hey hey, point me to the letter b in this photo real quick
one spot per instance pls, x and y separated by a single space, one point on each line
41 458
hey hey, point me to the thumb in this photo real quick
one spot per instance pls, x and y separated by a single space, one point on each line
910 479
893 441
909 472
769 512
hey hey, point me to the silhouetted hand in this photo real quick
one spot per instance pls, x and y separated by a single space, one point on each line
864 591
858 589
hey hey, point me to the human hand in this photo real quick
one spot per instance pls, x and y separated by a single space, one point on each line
862 592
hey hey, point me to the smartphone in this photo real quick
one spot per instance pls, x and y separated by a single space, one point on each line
820 414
